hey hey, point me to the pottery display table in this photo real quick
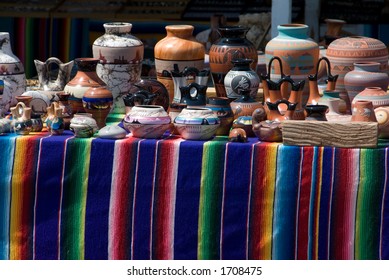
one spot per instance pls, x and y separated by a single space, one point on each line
68 198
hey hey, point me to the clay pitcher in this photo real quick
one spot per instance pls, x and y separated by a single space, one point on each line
63 76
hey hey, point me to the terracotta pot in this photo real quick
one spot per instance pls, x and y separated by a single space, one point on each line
121 55
345 51
245 105
232 45
178 47
298 52
334 26
376 95
365 74
316 112
363 111
98 101
85 78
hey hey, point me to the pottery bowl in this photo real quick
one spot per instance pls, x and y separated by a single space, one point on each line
147 114
149 131
196 131
83 125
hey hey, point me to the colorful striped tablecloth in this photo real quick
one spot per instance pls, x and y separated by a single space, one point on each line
68 198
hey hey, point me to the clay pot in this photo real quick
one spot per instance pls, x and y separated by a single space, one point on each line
154 87
178 47
345 51
316 112
85 78
237 135
197 123
12 72
232 45
365 74
147 121
245 105
274 113
83 125
222 108
67 112
268 131
98 101
241 77
382 116
376 95
298 52
363 111
121 55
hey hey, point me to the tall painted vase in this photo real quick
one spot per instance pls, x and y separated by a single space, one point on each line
232 45
179 48
11 72
299 53
121 55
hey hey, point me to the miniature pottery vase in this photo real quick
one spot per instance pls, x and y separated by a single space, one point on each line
85 78
232 45
46 82
382 116
363 111
57 125
365 74
178 47
222 108
241 77
147 121
376 95
298 52
112 132
161 95
83 125
98 101
316 112
36 120
194 95
197 123
121 56
11 72
21 119
237 135
345 51
245 104
67 111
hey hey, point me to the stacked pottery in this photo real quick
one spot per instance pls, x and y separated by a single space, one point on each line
241 77
344 52
298 52
196 123
178 47
222 108
147 121
376 95
11 72
98 101
121 56
85 78
365 74
232 45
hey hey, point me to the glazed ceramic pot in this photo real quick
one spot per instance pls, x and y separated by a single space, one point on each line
83 125
197 123
147 121
316 112
376 95
154 87
121 56
179 48
222 108
241 77
232 45
85 78
11 71
365 74
345 51
298 52
98 101
363 111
